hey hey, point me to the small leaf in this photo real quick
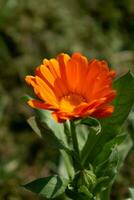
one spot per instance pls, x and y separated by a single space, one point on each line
83 189
49 187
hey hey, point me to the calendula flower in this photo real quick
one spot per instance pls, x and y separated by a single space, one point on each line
73 87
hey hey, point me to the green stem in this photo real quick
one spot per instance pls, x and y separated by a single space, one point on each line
74 138
98 197
105 195
67 131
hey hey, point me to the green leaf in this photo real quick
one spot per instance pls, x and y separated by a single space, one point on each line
111 159
49 187
34 125
88 147
107 149
110 167
46 133
106 172
82 134
124 100
123 104
92 130
83 189
101 183
66 165
49 123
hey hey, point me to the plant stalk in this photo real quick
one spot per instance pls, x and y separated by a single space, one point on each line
105 195
74 138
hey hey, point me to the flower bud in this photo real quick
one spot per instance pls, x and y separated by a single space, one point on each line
86 178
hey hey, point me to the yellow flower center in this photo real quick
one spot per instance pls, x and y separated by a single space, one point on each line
69 102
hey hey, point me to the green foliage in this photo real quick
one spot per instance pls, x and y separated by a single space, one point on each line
49 187
47 133
50 124
84 190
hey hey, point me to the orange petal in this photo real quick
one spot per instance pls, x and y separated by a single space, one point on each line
112 73
82 67
90 78
81 59
45 74
72 75
30 80
60 81
53 66
88 108
42 90
38 104
63 59
110 95
97 81
105 111
61 116
46 92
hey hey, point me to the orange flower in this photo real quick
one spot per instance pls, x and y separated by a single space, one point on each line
73 87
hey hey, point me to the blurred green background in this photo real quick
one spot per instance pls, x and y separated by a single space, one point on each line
31 30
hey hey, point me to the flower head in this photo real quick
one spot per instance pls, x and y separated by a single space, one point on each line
73 87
